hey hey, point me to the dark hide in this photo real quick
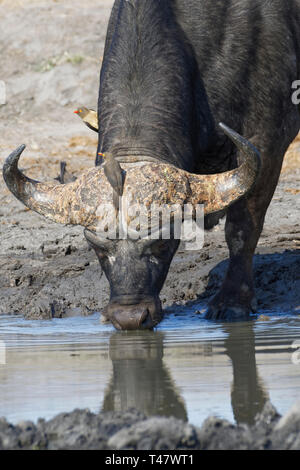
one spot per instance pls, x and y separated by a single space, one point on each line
172 70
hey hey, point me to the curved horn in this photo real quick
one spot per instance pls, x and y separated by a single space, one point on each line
88 200
62 203
221 190
160 183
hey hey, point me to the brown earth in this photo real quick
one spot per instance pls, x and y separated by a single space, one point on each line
50 61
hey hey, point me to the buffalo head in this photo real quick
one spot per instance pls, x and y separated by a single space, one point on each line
136 267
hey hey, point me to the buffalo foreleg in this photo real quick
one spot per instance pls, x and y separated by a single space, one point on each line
244 224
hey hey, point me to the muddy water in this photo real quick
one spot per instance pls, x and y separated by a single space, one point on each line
189 368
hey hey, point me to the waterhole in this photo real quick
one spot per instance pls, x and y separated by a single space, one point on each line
188 367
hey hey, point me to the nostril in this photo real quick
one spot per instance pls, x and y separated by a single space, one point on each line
116 324
144 317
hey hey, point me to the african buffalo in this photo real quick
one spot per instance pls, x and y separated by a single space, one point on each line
172 70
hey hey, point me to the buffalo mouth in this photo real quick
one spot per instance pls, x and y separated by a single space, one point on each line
129 313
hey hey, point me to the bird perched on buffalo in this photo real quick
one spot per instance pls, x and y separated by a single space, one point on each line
112 168
89 117
115 176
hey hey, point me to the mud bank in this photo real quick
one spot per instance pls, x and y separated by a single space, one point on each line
48 270
82 429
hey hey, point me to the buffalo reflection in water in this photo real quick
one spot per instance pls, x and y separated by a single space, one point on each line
141 380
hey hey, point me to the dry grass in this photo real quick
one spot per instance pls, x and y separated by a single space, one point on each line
292 191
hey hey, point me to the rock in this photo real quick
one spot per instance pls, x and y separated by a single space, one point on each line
132 430
287 431
82 429
219 434
156 434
